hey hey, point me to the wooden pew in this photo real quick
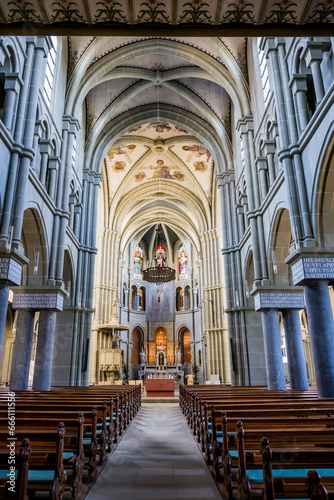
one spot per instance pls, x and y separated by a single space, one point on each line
42 475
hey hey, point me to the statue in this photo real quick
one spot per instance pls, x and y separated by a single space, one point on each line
179 357
115 308
143 357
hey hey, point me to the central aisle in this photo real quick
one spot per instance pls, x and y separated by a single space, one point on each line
157 459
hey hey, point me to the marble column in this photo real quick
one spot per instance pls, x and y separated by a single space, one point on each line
273 350
321 326
4 292
44 351
19 374
295 350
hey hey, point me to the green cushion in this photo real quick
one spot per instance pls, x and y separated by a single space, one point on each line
233 453
220 440
89 434
86 441
67 455
256 476
34 476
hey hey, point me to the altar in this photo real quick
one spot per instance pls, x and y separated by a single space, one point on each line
174 372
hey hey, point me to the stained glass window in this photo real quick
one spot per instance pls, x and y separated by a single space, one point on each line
183 262
138 262
140 299
160 254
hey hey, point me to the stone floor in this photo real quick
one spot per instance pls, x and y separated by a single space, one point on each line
157 459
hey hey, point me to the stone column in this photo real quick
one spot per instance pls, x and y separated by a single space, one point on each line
273 350
13 84
10 274
320 319
295 350
314 271
19 374
245 205
20 116
76 225
269 45
27 153
262 169
269 151
45 148
241 220
313 57
4 293
269 301
71 203
27 301
44 351
53 168
299 89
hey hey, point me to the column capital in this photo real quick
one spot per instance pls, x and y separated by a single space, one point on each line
268 147
261 163
45 146
298 83
313 51
42 43
4 53
268 44
78 208
245 124
13 81
70 124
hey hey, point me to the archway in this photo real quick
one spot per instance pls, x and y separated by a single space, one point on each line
186 347
136 344
161 340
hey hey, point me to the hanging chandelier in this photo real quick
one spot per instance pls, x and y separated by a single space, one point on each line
158 271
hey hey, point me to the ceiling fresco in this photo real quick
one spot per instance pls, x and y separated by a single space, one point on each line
164 16
159 151
158 130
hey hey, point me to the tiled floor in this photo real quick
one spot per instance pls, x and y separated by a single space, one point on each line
157 459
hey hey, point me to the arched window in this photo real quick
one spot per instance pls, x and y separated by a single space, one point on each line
186 347
50 70
138 262
187 298
160 255
179 299
135 352
263 72
141 299
134 298
183 262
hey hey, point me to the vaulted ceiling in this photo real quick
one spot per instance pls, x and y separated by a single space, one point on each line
156 115
167 17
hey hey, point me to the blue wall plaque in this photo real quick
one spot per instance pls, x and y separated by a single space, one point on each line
279 300
312 268
10 270
38 301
